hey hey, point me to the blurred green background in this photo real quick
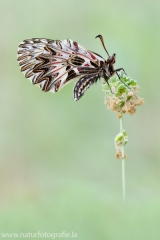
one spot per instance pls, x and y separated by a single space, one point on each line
58 170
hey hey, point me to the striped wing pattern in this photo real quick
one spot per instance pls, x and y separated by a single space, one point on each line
51 64
83 84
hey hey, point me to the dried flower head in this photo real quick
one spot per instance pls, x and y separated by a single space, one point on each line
123 97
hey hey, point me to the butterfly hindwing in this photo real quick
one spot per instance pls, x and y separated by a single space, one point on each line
83 84
53 63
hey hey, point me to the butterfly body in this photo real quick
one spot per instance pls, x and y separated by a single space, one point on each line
51 64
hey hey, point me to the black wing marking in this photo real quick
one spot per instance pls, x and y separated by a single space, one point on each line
83 84
51 64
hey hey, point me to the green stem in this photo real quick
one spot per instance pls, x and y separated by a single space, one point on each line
123 161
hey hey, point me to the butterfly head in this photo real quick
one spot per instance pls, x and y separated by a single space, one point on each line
111 59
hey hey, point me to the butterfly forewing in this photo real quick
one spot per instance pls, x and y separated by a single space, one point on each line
53 63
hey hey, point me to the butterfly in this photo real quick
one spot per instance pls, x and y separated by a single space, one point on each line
51 64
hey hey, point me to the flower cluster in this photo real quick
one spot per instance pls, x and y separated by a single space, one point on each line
121 94
121 97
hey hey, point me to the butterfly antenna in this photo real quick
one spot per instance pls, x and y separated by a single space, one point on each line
102 41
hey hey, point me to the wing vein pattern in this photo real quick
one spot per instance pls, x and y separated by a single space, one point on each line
51 64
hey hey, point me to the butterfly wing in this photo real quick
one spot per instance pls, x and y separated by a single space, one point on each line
53 63
83 84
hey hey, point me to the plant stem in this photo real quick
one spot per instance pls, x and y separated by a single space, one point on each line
123 161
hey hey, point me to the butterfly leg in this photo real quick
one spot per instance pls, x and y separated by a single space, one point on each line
116 70
106 80
121 80
126 84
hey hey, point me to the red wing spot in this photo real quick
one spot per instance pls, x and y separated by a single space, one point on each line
52 67
87 65
58 54
75 46
92 56
79 69
58 84
55 75
53 60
